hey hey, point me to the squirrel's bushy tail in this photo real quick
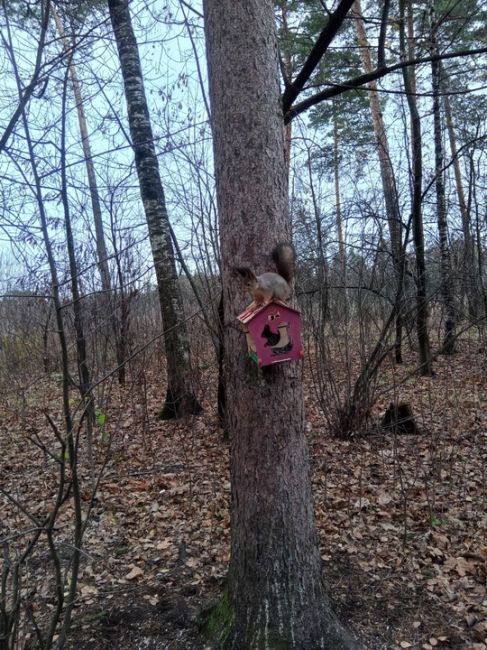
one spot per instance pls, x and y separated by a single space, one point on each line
284 257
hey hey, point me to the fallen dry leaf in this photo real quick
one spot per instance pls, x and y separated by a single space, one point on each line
134 573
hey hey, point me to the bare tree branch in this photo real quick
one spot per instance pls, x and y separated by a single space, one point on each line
363 79
324 39
35 75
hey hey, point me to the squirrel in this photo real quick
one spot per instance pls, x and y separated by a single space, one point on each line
271 286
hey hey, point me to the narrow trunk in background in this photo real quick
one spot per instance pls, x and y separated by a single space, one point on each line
469 273
387 176
275 595
180 397
322 263
101 248
342 255
425 361
80 341
116 330
474 209
446 278
66 598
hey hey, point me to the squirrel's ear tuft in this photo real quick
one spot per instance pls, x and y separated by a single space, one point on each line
244 272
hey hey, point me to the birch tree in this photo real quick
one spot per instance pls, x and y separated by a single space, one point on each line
180 396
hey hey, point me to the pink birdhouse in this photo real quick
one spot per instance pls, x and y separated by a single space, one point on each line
273 332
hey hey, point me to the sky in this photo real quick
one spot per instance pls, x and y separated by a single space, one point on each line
183 141
179 121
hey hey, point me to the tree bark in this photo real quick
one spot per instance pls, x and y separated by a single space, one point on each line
287 73
275 595
180 397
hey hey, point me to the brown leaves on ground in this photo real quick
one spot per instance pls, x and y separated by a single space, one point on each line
402 519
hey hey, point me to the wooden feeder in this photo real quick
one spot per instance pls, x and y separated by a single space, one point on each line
273 333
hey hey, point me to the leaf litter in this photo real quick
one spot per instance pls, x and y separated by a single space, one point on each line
402 519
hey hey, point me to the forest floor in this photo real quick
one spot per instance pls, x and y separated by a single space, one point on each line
402 519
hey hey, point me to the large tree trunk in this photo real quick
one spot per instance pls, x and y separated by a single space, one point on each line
387 175
275 594
425 361
180 398
445 262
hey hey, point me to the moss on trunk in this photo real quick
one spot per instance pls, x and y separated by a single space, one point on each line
217 622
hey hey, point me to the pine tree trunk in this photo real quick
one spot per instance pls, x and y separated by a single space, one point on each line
387 176
425 361
275 595
180 398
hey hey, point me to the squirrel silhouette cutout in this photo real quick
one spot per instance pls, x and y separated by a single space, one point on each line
279 341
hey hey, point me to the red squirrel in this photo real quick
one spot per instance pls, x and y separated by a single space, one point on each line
271 286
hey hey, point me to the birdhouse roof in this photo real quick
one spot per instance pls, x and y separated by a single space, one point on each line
253 310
